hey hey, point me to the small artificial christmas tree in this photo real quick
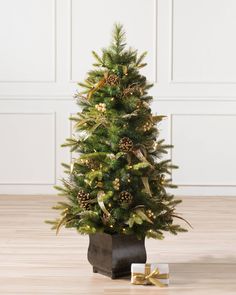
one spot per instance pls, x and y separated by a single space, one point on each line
118 182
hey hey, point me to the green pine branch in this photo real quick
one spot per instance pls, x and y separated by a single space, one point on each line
118 180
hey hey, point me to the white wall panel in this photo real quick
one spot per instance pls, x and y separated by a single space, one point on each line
46 47
27 148
92 22
27 34
202 41
204 145
204 149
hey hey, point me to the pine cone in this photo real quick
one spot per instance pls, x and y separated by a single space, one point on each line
142 104
107 219
83 200
126 144
132 90
128 91
112 80
90 163
125 198
85 205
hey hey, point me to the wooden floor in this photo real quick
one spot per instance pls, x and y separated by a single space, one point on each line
35 261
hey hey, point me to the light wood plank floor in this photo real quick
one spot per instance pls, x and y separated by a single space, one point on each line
35 261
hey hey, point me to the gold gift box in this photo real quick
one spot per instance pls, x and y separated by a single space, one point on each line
150 274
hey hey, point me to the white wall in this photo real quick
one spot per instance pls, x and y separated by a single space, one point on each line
45 48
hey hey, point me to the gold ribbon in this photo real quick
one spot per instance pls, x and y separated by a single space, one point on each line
146 185
100 196
138 153
149 278
72 164
96 87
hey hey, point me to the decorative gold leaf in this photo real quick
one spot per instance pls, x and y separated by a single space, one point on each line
146 185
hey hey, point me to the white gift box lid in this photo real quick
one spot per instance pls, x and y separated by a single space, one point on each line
140 267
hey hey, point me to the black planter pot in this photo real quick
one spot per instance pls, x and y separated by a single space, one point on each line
112 255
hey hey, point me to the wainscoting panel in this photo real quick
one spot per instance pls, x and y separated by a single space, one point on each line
46 49
203 50
27 148
27 32
203 149
89 26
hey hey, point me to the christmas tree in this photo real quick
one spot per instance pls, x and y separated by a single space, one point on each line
118 181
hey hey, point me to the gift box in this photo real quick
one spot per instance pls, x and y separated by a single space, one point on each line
150 274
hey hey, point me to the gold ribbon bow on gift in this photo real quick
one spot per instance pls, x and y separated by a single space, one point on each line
149 278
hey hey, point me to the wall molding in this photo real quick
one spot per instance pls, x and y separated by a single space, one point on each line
171 116
172 80
55 56
155 42
54 143
164 98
